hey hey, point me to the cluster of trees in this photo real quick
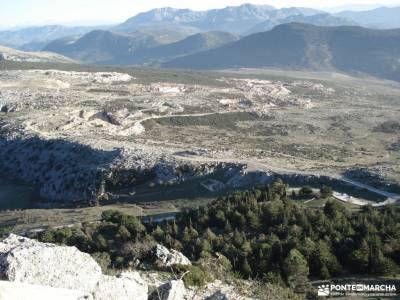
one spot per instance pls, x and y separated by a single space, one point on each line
261 234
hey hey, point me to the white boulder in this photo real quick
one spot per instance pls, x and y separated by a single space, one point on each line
74 274
29 261
219 295
172 290
23 291
128 285
170 257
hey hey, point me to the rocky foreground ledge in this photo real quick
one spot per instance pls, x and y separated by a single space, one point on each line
33 270
28 267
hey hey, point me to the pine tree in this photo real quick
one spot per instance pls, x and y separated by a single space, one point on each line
296 271
245 268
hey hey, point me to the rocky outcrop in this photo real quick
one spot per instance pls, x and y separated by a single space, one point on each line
218 296
67 171
128 285
376 176
243 177
169 258
172 290
27 261
218 290
63 170
21 291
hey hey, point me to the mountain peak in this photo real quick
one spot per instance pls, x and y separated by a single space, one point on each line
255 6
232 18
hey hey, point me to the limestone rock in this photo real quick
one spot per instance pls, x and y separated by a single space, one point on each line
218 296
28 261
218 290
21 291
128 285
172 290
170 257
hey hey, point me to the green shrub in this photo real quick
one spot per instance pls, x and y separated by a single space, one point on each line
5 231
103 259
325 191
47 236
193 275
306 191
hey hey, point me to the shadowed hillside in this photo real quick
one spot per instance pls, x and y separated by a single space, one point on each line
103 46
192 44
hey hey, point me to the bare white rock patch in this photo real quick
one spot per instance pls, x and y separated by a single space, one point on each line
28 261
170 257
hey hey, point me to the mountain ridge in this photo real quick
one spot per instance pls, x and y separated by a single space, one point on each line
323 19
106 47
36 37
236 19
304 46
381 17
192 44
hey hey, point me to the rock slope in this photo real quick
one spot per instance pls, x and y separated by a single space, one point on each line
27 261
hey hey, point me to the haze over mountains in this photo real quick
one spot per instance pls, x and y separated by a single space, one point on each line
35 38
381 18
230 37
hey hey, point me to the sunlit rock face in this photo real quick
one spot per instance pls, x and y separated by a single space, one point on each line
71 272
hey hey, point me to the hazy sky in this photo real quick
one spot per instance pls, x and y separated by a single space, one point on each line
38 12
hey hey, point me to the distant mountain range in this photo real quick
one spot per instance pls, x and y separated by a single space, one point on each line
380 18
35 38
130 42
304 46
236 36
243 19
323 19
234 19
106 47
192 44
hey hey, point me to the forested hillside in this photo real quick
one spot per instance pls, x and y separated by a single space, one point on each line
259 233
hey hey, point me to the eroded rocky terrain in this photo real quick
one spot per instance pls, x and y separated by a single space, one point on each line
100 136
